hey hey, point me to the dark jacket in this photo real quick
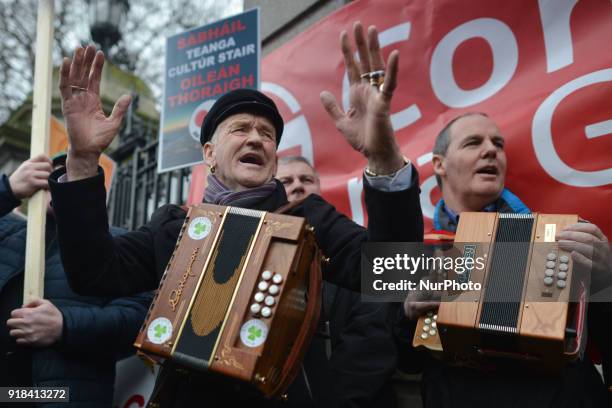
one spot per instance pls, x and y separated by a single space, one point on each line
443 386
352 356
136 261
97 331
364 355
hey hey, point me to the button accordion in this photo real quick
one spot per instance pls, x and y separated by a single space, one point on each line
531 304
240 297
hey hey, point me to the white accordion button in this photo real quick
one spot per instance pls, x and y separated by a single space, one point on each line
427 320
432 332
548 281
269 301
563 267
259 297
277 278
266 312
263 286
550 264
255 308
561 284
266 275
549 272
435 317
434 325
425 328
562 275
424 336
273 289
564 259
551 256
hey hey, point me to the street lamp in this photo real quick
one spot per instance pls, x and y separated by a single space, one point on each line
105 18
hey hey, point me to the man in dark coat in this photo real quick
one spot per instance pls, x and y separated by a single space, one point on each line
63 340
470 164
353 356
240 135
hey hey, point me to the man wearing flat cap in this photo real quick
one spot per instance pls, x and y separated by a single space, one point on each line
240 136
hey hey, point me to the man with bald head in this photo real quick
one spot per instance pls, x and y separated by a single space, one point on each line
470 164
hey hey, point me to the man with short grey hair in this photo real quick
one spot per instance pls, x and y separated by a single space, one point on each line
470 163
298 176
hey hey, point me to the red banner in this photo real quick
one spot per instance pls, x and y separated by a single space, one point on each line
541 70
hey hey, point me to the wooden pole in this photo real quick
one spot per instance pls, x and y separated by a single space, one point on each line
33 285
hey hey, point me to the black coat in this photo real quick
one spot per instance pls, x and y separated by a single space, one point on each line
136 261
352 356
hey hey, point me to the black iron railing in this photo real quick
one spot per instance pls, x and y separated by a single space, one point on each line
138 189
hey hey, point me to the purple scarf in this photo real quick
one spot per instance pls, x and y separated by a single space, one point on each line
218 193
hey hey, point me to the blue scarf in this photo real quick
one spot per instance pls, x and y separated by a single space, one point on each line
446 219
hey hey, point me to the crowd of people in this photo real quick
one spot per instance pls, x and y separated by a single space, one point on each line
74 340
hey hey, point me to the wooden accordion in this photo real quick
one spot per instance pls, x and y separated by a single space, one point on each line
240 297
531 304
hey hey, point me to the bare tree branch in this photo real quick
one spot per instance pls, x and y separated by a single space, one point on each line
147 25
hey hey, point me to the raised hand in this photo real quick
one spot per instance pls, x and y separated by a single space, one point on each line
39 324
367 123
30 176
89 130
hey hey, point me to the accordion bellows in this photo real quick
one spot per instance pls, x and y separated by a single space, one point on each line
240 297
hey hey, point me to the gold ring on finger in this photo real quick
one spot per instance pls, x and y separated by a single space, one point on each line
381 88
377 81
377 78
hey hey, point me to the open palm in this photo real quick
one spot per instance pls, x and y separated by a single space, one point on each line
90 131
368 112
366 125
